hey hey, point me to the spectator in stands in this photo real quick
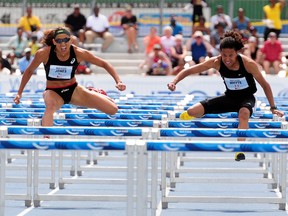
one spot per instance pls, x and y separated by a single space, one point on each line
239 74
30 23
177 27
272 16
178 54
252 50
83 68
34 44
61 58
272 53
158 63
197 9
241 22
76 21
215 38
97 25
25 61
17 43
4 70
130 27
151 39
201 26
245 33
254 33
220 17
167 40
5 63
198 48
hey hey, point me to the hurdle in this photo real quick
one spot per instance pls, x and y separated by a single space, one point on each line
102 133
37 145
144 147
257 146
184 134
158 122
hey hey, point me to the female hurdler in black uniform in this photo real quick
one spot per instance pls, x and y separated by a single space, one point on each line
61 58
238 73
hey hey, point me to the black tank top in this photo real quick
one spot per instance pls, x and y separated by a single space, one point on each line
254 54
238 83
61 70
179 50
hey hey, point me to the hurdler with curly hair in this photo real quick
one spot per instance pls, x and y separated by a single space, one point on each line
61 59
239 74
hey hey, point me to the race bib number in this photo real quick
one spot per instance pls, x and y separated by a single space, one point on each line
60 72
236 83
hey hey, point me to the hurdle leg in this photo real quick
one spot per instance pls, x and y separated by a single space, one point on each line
141 205
173 167
73 169
78 163
154 182
267 164
274 171
163 180
36 179
60 170
52 184
9 158
262 159
28 201
2 181
283 178
89 158
130 178
167 164
180 157
94 160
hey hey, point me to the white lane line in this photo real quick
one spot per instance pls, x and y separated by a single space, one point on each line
26 211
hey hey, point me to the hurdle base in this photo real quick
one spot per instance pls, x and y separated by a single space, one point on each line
52 186
36 203
28 203
61 186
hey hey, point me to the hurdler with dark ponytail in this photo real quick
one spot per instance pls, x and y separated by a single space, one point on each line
61 57
239 73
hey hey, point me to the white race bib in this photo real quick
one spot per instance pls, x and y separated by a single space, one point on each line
60 72
236 83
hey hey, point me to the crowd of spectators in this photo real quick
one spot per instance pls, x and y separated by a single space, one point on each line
165 54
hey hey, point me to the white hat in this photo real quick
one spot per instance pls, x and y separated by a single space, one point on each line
178 37
198 34
27 50
272 34
157 46
252 39
168 28
76 6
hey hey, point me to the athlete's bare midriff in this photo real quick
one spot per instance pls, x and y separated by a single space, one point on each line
60 83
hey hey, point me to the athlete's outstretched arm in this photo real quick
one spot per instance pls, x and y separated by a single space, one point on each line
253 68
85 55
198 68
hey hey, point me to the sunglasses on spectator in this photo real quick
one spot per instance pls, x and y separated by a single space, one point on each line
60 40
